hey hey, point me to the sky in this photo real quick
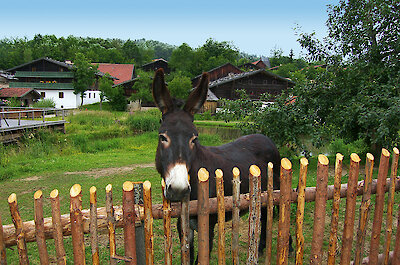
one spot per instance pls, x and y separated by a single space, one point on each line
255 27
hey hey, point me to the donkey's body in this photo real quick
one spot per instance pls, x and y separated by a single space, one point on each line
179 154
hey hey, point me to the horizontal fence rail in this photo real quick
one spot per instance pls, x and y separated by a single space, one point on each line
131 214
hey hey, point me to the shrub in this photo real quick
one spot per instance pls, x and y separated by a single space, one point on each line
45 103
346 149
144 121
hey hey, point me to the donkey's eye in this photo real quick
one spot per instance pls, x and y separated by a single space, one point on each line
193 140
163 138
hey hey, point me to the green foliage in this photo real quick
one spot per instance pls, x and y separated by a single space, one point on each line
144 121
84 75
45 103
114 94
142 87
180 86
13 102
346 149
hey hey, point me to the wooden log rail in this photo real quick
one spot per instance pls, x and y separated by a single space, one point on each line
157 211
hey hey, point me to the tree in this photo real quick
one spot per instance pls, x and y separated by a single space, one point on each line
360 96
142 87
84 75
180 86
114 94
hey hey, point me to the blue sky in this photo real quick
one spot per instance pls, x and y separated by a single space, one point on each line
255 27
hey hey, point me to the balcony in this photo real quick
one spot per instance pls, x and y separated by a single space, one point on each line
45 74
55 86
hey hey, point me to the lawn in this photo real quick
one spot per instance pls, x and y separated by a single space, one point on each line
100 148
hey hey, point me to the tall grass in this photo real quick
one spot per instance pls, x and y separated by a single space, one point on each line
144 121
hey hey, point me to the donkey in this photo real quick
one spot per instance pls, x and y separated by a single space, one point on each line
179 154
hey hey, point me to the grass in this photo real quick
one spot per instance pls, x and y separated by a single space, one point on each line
101 148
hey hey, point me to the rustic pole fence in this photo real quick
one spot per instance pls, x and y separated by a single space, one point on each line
284 212
270 212
319 210
148 223
235 214
78 245
254 214
379 204
39 227
19 229
364 209
389 218
130 213
221 215
203 217
167 227
94 242
301 188
335 209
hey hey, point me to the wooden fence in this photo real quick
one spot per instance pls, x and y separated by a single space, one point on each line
80 222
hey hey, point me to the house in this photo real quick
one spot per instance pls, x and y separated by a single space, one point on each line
27 96
263 63
219 72
52 80
254 83
5 79
157 64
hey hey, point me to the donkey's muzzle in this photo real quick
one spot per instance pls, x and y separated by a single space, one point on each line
176 193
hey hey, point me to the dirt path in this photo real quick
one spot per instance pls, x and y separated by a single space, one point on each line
102 172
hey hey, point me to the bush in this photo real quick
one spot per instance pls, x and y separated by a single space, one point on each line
346 149
45 103
144 121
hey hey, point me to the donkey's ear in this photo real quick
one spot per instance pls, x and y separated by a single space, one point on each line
198 96
161 94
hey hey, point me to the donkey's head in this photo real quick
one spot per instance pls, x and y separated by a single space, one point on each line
177 141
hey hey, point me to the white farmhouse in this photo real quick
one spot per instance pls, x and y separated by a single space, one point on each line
52 80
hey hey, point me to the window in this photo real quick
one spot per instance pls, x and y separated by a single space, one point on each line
33 69
89 95
43 94
94 95
61 94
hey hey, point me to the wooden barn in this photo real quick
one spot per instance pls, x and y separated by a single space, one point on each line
157 64
219 72
254 83
27 96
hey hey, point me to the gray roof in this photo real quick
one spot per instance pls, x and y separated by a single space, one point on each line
232 77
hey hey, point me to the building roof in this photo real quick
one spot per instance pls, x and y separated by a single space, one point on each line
154 61
6 75
16 92
231 77
122 72
65 65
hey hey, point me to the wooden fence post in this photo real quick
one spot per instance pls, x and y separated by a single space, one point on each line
167 227
3 258
396 251
77 224
379 204
39 227
19 229
148 223
235 215
364 210
347 238
284 212
128 206
57 227
301 188
93 226
203 217
319 210
270 214
389 218
221 215
111 224
335 209
254 214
